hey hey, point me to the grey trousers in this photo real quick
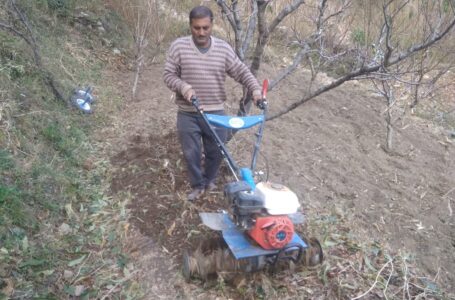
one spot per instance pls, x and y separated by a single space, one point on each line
195 137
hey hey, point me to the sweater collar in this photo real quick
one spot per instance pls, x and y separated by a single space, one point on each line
201 51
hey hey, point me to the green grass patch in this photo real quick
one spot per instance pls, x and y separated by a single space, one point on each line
66 140
11 207
55 217
6 160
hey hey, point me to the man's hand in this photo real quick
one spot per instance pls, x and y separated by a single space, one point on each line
257 99
189 94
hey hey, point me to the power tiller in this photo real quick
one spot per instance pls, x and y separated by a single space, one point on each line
259 229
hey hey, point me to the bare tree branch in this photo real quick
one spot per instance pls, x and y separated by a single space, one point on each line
388 36
386 60
232 15
145 20
263 37
284 13
251 27
308 45
227 12
365 70
301 54
31 41
320 20
338 12
264 30
15 32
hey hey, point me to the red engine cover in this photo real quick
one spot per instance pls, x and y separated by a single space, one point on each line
272 232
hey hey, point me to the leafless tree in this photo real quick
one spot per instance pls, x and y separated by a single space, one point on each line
317 47
401 46
145 20
418 69
258 21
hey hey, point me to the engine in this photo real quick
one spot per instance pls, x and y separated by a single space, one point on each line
263 212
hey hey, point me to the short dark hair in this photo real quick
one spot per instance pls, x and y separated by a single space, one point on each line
200 12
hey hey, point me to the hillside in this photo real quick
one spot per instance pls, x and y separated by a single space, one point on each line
354 194
92 206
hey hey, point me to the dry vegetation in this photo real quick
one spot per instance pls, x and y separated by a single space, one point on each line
338 42
354 268
68 231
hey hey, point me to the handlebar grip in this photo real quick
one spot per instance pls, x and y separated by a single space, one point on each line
265 88
262 104
195 102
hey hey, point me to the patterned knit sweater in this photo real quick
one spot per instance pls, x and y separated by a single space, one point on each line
187 68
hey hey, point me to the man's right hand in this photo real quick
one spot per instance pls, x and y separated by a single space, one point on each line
189 94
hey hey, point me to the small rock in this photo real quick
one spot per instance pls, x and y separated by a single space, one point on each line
100 27
7 287
4 270
339 211
64 229
116 51
78 290
106 42
88 164
67 274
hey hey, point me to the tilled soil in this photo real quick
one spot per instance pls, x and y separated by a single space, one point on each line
329 151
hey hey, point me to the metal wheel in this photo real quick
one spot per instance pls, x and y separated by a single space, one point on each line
313 255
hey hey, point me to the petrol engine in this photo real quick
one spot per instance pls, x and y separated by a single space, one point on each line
264 212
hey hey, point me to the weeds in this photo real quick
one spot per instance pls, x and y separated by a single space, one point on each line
57 227
11 206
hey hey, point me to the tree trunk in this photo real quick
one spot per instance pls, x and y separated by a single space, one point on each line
389 136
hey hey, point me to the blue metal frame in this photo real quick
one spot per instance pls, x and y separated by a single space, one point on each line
239 243
242 247
234 122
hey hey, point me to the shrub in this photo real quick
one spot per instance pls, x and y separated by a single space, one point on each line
61 7
358 37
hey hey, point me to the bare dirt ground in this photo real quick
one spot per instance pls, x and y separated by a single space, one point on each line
365 205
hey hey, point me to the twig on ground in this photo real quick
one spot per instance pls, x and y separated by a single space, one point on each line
118 283
406 280
89 274
375 281
450 207
31 113
437 275
80 268
387 283
65 69
450 191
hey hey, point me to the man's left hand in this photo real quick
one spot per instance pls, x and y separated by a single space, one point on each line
257 99
257 96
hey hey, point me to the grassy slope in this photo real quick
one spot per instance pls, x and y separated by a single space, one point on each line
58 228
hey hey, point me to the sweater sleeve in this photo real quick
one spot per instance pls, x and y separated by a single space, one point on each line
236 69
172 72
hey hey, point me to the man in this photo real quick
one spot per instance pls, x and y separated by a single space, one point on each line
197 65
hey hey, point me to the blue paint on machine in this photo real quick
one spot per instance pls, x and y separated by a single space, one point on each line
233 122
243 247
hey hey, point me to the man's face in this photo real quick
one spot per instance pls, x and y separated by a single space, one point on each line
201 29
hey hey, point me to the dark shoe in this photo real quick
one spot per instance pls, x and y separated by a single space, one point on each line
211 187
195 194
